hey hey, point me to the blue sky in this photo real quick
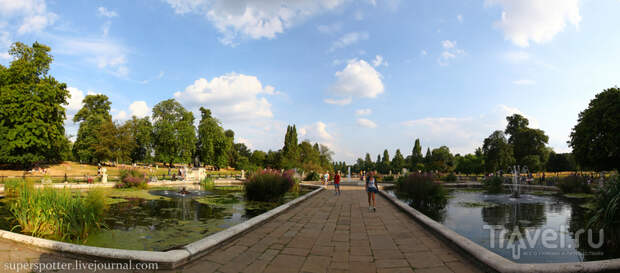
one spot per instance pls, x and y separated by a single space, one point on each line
358 76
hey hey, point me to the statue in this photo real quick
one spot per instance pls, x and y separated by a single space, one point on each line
104 175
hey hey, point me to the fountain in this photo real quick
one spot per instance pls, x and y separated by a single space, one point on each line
516 177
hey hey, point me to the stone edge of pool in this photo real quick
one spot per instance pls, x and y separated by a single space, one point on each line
165 259
490 261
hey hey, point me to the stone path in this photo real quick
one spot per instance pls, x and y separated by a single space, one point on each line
326 233
330 233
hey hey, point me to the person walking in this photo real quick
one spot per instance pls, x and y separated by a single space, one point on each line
337 183
326 178
371 189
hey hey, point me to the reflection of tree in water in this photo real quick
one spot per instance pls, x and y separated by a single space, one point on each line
437 213
579 221
515 216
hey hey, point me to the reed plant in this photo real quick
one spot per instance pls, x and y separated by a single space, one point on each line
12 186
422 192
58 214
606 212
269 185
208 183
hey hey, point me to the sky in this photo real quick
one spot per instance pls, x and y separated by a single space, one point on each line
356 75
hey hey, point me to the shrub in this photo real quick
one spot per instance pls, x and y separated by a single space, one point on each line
574 184
131 179
313 176
422 193
58 214
493 184
606 212
450 177
268 185
208 183
388 178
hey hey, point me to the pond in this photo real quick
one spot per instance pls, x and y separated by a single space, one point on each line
538 227
152 220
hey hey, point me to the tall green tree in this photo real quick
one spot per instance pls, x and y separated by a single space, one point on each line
96 131
142 132
529 145
497 152
31 108
384 165
398 162
416 156
174 135
596 137
290 151
561 162
368 164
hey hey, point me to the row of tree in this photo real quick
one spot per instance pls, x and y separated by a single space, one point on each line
32 115
524 146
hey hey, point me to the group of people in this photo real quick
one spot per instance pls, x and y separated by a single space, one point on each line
370 187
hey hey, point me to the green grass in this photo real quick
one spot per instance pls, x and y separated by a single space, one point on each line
58 214
578 195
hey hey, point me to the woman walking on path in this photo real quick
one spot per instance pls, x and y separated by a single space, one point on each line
371 189
337 183
326 179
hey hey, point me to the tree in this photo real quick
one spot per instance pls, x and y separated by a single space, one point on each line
384 165
31 108
368 164
96 132
596 137
214 144
258 158
142 132
528 144
398 162
470 163
290 153
416 156
174 135
561 162
497 152
427 159
441 159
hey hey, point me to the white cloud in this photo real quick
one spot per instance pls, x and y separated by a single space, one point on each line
75 102
461 134
517 57
379 61
533 20
316 132
253 19
104 53
524 82
357 79
363 112
5 44
343 101
366 123
26 15
139 109
244 141
423 52
231 97
459 18
102 11
450 51
330 29
349 39
120 115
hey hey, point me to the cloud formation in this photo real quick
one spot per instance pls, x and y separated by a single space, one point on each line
358 79
533 20
366 123
231 97
349 39
450 51
253 19
26 16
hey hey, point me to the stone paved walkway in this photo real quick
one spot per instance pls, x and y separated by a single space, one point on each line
330 233
326 233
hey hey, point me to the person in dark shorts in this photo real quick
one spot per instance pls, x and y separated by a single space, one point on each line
337 183
371 189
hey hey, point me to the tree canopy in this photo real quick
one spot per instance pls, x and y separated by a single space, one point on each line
174 135
31 108
596 137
